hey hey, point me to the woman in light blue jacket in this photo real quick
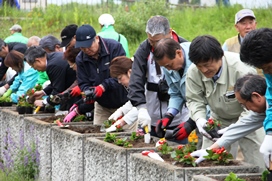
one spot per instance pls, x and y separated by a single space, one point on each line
26 78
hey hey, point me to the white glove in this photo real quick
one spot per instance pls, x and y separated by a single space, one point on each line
2 90
200 154
113 127
266 150
144 118
131 116
121 111
201 123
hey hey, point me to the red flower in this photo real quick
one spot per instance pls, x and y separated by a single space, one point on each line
180 147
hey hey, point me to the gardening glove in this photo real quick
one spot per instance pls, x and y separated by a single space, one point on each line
201 123
71 115
183 130
163 123
7 94
222 131
75 91
144 118
200 154
121 111
113 127
266 150
2 90
73 107
93 93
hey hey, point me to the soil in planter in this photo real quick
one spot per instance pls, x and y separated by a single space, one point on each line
85 129
139 143
205 163
52 118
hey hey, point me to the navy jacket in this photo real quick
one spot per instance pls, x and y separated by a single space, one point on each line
92 72
60 75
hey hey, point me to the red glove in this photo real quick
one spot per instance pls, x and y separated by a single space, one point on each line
98 91
75 91
184 129
163 123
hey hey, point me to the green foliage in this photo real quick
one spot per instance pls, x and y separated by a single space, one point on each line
219 155
233 177
182 154
80 118
264 175
110 137
5 99
123 142
22 102
164 148
136 135
108 123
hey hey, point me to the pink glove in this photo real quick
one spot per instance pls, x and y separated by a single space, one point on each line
70 116
72 107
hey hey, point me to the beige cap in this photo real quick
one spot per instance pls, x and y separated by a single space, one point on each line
106 20
16 27
242 14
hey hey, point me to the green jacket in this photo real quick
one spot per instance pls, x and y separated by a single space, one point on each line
109 32
201 91
16 37
42 77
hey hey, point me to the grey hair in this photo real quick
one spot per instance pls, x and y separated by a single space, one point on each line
32 40
34 52
157 25
49 42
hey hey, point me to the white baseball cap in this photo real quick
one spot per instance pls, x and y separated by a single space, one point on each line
106 20
242 14
16 27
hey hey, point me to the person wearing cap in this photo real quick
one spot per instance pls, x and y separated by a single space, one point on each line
5 48
67 34
106 22
147 74
93 72
16 35
245 21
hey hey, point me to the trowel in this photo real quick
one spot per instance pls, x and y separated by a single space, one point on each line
147 135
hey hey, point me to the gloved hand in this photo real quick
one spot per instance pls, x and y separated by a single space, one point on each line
73 107
200 154
93 93
7 94
71 115
162 124
222 131
121 111
143 118
75 91
266 149
183 130
113 127
118 113
201 123
2 90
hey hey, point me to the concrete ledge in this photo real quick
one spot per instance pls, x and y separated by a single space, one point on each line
142 166
223 176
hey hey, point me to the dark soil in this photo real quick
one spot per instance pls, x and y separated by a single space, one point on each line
52 118
85 129
139 143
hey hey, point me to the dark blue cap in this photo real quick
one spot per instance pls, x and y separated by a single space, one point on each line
85 36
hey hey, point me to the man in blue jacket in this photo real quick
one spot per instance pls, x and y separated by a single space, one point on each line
94 75
256 51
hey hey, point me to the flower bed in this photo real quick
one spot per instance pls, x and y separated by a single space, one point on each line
142 166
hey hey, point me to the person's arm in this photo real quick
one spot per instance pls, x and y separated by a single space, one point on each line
3 69
195 94
268 94
136 93
244 126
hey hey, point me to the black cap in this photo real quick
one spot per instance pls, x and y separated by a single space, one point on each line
85 36
67 34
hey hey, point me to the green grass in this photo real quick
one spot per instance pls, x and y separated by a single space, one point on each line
188 22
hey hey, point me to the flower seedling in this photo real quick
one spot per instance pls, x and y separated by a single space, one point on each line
110 137
219 155
212 126
182 154
119 128
137 135
164 148
123 142
233 177
80 118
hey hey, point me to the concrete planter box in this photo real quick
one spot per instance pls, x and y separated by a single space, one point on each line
67 153
145 168
106 161
41 130
223 176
